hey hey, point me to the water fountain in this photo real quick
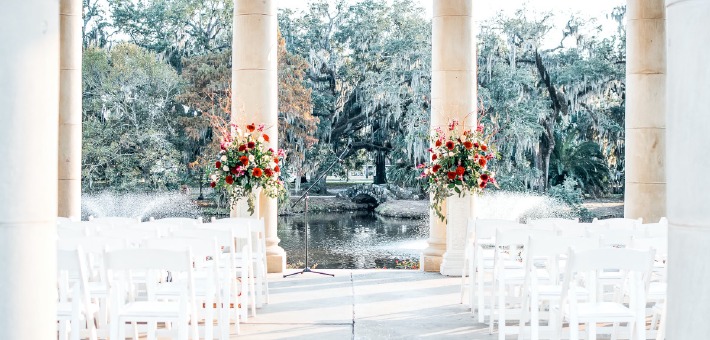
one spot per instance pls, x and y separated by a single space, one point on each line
138 205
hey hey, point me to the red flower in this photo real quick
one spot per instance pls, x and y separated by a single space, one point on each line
475 145
251 127
460 170
468 145
242 148
268 172
438 143
277 169
276 160
233 170
489 156
450 145
218 165
484 147
433 157
482 161
213 184
229 179
483 184
451 175
250 145
484 177
257 172
244 160
266 137
436 168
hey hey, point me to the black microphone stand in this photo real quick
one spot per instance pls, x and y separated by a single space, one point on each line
304 198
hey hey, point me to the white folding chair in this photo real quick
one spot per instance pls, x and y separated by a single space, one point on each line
126 303
244 235
205 258
659 229
258 232
114 221
545 263
636 268
550 223
510 259
74 310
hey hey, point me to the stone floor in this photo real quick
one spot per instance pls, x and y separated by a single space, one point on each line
364 304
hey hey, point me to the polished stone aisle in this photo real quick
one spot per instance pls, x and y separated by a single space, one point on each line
364 304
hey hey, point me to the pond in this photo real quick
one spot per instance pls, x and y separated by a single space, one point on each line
352 240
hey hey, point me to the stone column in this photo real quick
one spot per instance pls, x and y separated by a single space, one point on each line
69 164
29 98
254 94
645 194
688 84
453 95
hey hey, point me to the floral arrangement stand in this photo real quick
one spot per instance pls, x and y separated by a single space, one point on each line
456 173
304 198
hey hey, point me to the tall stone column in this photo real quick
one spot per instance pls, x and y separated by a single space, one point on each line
645 194
688 145
453 96
254 94
29 98
69 165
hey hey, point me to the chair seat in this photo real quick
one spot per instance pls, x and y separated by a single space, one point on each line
554 291
602 310
150 309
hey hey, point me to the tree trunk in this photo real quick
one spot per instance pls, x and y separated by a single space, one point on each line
380 170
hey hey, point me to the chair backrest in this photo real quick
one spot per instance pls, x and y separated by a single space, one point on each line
62 220
510 238
63 231
593 262
114 221
72 272
486 228
572 229
659 244
133 236
242 231
550 223
549 250
659 229
129 269
201 248
611 237
619 223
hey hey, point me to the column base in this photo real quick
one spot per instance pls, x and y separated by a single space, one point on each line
452 264
431 263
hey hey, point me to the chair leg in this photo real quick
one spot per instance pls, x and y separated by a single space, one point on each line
501 310
479 292
591 330
661 333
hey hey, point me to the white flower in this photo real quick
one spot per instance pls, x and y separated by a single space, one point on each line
223 158
272 164
251 158
225 168
451 154
213 177
260 139
239 131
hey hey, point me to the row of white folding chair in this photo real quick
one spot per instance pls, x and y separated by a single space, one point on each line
75 311
659 229
238 264
657 288
96 246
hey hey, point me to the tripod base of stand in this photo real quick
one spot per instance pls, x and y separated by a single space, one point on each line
308 270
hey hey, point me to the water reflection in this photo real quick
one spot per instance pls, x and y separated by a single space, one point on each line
357 239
